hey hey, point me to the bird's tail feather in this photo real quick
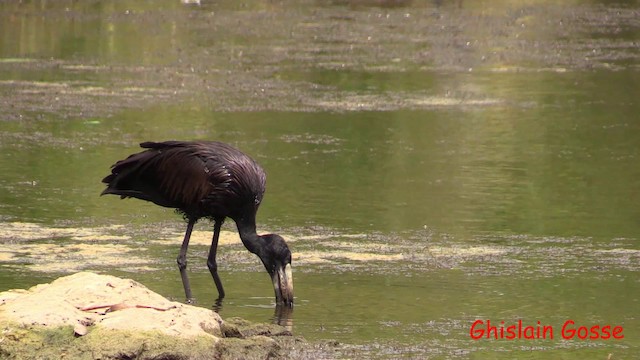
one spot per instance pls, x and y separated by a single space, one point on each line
130 178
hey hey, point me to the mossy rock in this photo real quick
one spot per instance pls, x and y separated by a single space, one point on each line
91 316
39 342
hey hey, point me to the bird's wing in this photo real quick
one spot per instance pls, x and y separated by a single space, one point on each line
182 175
168 174
234 174
188 175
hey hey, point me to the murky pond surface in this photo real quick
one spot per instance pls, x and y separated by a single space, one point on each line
431 163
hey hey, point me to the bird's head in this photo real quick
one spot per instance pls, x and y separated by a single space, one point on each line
276 257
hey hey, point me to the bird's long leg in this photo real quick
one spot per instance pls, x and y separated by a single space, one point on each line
182 260
211 260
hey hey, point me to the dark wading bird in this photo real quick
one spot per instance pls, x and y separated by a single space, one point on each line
206 180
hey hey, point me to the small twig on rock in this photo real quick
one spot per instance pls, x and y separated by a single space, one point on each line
121 306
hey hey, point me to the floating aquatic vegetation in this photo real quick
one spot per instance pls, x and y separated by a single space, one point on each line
24 231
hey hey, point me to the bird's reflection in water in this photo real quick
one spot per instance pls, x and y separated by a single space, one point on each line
217 306
283 316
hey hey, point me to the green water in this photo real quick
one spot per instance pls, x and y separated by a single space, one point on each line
488 152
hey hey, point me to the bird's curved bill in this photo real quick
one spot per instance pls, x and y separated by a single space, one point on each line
283 285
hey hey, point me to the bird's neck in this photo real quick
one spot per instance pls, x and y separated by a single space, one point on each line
248 234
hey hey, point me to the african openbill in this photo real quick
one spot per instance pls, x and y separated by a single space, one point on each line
206 179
